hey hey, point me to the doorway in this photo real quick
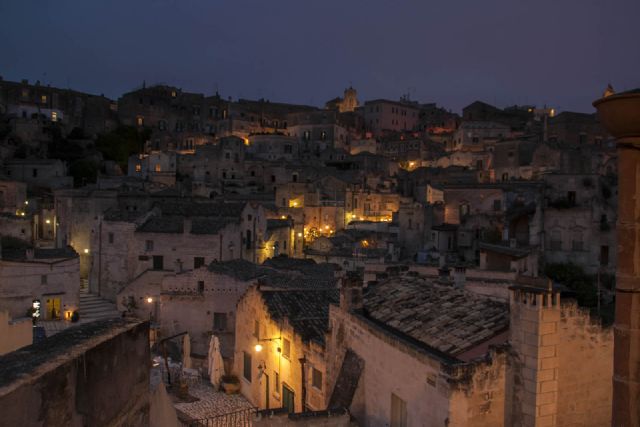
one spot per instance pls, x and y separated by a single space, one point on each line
288 399
52 309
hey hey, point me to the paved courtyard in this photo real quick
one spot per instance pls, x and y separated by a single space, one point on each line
211 403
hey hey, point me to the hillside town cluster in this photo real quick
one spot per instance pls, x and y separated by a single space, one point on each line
374 263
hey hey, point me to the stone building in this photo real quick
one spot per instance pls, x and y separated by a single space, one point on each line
156 166
173 236
579 221
382 115
446 356
323 127
45 104
48 173
13 197
348 103
50 276
372 205
280 347
477 135
576 128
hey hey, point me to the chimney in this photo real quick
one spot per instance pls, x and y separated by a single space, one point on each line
186 229
459 277
351 292
178 268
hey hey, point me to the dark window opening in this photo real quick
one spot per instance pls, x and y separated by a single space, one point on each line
158 262
198 262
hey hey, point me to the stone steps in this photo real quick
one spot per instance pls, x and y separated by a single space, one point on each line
92 307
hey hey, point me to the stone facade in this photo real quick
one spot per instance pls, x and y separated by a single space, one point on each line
51 276
285 354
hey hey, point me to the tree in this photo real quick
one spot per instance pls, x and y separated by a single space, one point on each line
121 143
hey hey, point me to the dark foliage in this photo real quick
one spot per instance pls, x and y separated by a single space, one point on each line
121 143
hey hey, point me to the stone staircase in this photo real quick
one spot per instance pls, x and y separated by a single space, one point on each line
93 307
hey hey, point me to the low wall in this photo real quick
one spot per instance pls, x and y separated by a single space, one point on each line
96 374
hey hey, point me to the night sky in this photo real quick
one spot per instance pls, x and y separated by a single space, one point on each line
559 52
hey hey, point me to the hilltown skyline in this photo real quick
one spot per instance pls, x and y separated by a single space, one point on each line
500 52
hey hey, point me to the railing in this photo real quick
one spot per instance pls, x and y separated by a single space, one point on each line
241 418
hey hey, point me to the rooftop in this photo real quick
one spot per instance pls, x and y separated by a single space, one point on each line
445 318
307 311
20 254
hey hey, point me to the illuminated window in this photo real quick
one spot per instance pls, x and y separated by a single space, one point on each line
140 121
138 168
157 168
43 99
54 116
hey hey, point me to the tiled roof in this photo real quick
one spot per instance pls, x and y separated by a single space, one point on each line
238 268
15 254
505 250
162 224
208 225
115 214
228 210
273 224
445 318
306 310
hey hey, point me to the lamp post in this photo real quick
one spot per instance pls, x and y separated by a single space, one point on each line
262 367
620 115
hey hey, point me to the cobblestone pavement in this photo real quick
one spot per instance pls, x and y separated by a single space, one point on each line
211 403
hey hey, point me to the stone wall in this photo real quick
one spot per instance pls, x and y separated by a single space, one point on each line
389 368
14 333
562 363
478 391
585 369
93 374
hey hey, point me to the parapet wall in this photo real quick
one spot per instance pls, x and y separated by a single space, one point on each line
95 374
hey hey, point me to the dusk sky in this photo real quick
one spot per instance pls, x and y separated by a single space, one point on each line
556 52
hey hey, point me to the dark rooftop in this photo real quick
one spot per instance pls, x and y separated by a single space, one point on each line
306 310
445 318
238 268
20 254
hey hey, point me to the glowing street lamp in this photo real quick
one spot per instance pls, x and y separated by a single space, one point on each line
258 348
